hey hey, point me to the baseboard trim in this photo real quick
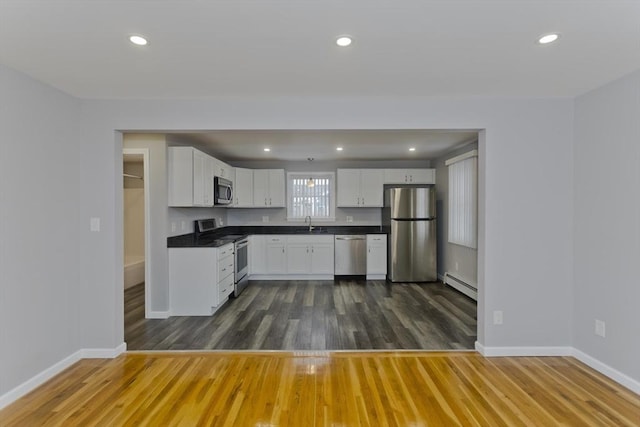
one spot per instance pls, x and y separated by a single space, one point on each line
376 276
158 315
39 379
291 277
607 371
53 370
522 351
103 353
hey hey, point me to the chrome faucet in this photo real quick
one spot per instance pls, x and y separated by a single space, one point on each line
311 227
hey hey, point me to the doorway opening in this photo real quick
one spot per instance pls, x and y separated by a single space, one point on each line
135 179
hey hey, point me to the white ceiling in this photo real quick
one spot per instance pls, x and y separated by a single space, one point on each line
299 145
209 48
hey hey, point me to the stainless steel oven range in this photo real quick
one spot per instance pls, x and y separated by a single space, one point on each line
242 265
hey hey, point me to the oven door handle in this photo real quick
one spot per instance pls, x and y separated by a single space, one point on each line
240 245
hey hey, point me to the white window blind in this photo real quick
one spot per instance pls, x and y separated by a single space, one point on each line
315 201
463 199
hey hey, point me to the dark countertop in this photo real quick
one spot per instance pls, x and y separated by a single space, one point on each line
225 235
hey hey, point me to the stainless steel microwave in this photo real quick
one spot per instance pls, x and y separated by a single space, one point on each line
223 191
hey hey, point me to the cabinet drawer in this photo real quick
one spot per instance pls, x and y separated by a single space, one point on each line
225 267
225 288
275 239
225 251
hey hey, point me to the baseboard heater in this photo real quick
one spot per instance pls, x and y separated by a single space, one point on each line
457 283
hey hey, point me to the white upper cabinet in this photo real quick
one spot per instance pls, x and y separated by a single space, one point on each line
360 187
190 177
268 188
243 188
223 170
409 176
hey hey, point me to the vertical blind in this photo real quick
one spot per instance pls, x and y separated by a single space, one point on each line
463 199
310 201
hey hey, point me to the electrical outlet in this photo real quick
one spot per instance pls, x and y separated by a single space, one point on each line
265 218
174 227
600 328
349 218
497 317
456 266
94 224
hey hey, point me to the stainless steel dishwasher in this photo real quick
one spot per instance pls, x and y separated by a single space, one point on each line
350 255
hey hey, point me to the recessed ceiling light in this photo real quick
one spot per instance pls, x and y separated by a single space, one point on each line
139 40
343 41
267 149
412 149
339 149
548 38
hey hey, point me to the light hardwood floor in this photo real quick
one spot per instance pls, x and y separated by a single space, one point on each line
326 389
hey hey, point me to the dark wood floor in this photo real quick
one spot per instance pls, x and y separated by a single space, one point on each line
315 315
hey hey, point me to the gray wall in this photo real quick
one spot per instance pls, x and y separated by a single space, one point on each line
40 228
607 223
515 129
452 258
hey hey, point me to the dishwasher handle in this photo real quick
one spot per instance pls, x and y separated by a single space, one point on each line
351 238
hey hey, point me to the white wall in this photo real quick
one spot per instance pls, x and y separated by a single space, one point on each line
133 210
527 255
452 258
607 223
40 228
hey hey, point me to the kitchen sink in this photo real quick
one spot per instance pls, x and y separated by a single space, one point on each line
316 230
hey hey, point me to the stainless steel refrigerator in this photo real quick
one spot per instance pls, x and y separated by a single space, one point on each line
409 216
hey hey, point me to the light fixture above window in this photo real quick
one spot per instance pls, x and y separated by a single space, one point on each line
311 183
138 40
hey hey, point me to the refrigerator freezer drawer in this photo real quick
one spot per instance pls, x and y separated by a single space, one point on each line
412 250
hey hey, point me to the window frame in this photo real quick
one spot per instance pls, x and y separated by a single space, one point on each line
332 195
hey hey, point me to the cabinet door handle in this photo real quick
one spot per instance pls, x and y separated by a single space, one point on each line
269 201
405 178
311 249
265 201
282 250
363 200
307 249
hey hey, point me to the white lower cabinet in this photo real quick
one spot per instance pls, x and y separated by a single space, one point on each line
200 279
376 256
282 256
276 254
310 255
